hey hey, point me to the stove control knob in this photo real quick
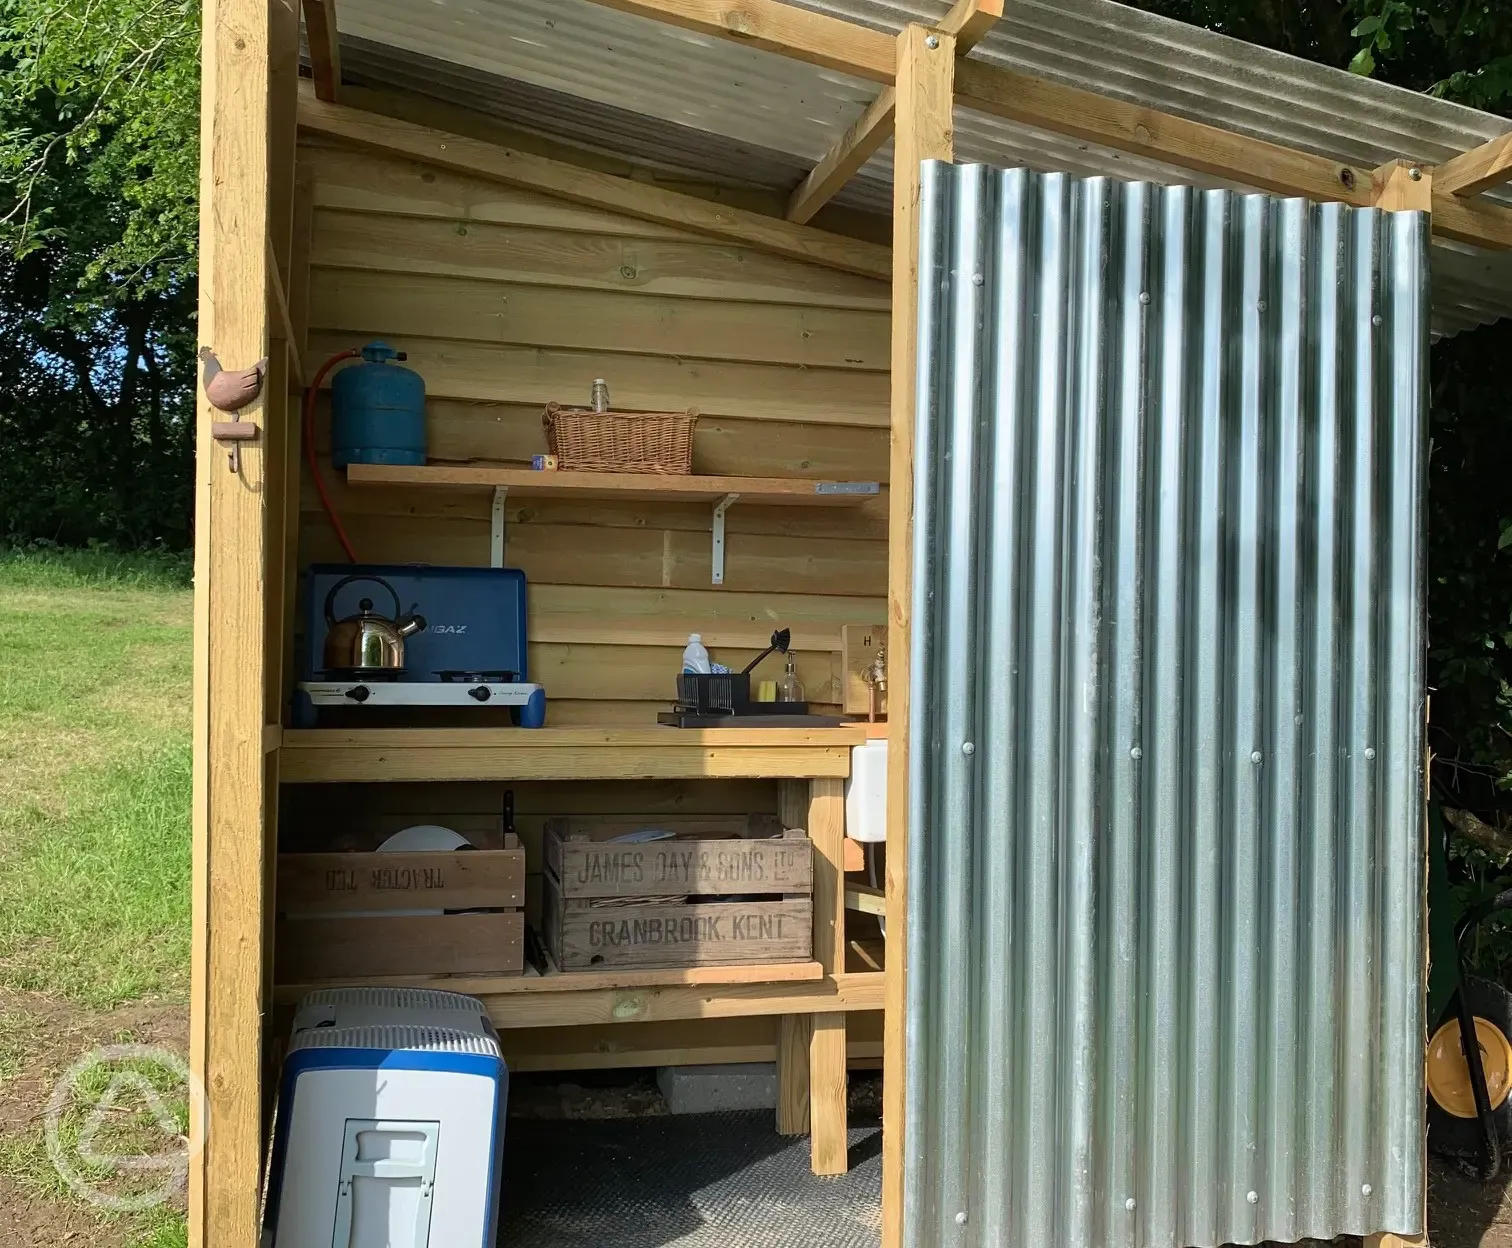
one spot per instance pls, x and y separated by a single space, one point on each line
482 693
358 693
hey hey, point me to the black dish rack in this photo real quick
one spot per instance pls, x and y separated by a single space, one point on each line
729 693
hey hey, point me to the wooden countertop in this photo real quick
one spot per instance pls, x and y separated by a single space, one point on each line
403 754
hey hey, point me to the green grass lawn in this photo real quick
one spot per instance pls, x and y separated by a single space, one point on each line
95 669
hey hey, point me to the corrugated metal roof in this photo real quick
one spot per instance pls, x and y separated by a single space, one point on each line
1166 788
648 83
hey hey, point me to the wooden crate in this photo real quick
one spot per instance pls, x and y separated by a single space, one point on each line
466 879
623 904
332 921
687 864
481 942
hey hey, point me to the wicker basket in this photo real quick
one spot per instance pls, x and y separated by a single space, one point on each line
588 441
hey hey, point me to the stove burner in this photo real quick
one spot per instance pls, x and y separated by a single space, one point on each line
367 674
473 676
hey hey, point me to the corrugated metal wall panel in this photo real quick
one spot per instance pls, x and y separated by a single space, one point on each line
1165 940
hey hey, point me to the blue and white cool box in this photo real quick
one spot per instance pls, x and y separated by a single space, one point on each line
390 1129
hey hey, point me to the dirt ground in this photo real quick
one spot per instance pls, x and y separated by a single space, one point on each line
1465 1214
45 1037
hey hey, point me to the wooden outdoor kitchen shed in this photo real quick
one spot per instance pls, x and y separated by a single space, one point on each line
514 267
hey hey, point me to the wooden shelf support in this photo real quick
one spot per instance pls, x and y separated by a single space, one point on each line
827 1067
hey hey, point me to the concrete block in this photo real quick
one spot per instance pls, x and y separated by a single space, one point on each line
718 1089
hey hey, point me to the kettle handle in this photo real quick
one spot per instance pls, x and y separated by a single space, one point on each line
330 602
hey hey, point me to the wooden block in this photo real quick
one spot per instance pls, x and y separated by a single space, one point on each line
854 855
697 866
794 1032
656 934
859 644
865 898
827 1095
461 880
345 947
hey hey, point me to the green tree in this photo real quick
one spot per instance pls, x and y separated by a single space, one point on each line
98 223
103 98
1459 49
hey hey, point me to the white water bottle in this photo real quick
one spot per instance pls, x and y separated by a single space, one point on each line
695 657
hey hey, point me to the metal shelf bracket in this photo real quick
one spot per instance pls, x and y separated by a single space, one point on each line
718 558
496 527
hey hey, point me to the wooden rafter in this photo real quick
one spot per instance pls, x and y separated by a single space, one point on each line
829 42
969 21
1477 170
481 159
325 48
1086 115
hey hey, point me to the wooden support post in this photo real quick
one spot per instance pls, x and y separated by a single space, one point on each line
969 21
827 1071
1405 186
325 48
794 1033
793 1030
926 64
286 366
230 797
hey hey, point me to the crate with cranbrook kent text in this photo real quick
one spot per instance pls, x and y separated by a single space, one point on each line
688 900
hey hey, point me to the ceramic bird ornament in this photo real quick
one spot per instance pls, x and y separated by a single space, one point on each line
228 390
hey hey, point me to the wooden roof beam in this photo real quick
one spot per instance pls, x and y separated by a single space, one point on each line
1477 170
1060 109
969 21
480 159
829 42
325 48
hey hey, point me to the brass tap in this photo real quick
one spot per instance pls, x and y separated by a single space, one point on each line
876 677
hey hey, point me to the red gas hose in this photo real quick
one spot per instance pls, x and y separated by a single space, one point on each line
309 441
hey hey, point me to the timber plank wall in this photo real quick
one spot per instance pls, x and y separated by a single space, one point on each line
506 300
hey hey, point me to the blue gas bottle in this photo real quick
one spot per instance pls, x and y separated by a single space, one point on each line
377 411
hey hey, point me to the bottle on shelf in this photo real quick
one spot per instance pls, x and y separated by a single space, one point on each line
695 660
792 687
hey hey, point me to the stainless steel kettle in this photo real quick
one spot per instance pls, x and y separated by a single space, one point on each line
367 640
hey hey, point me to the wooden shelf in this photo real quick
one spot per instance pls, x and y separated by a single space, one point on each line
842 993
631 486
577 981
323 755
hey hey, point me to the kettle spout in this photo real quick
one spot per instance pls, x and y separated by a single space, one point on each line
410 625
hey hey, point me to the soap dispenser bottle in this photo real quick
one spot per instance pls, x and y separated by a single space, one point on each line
792 687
